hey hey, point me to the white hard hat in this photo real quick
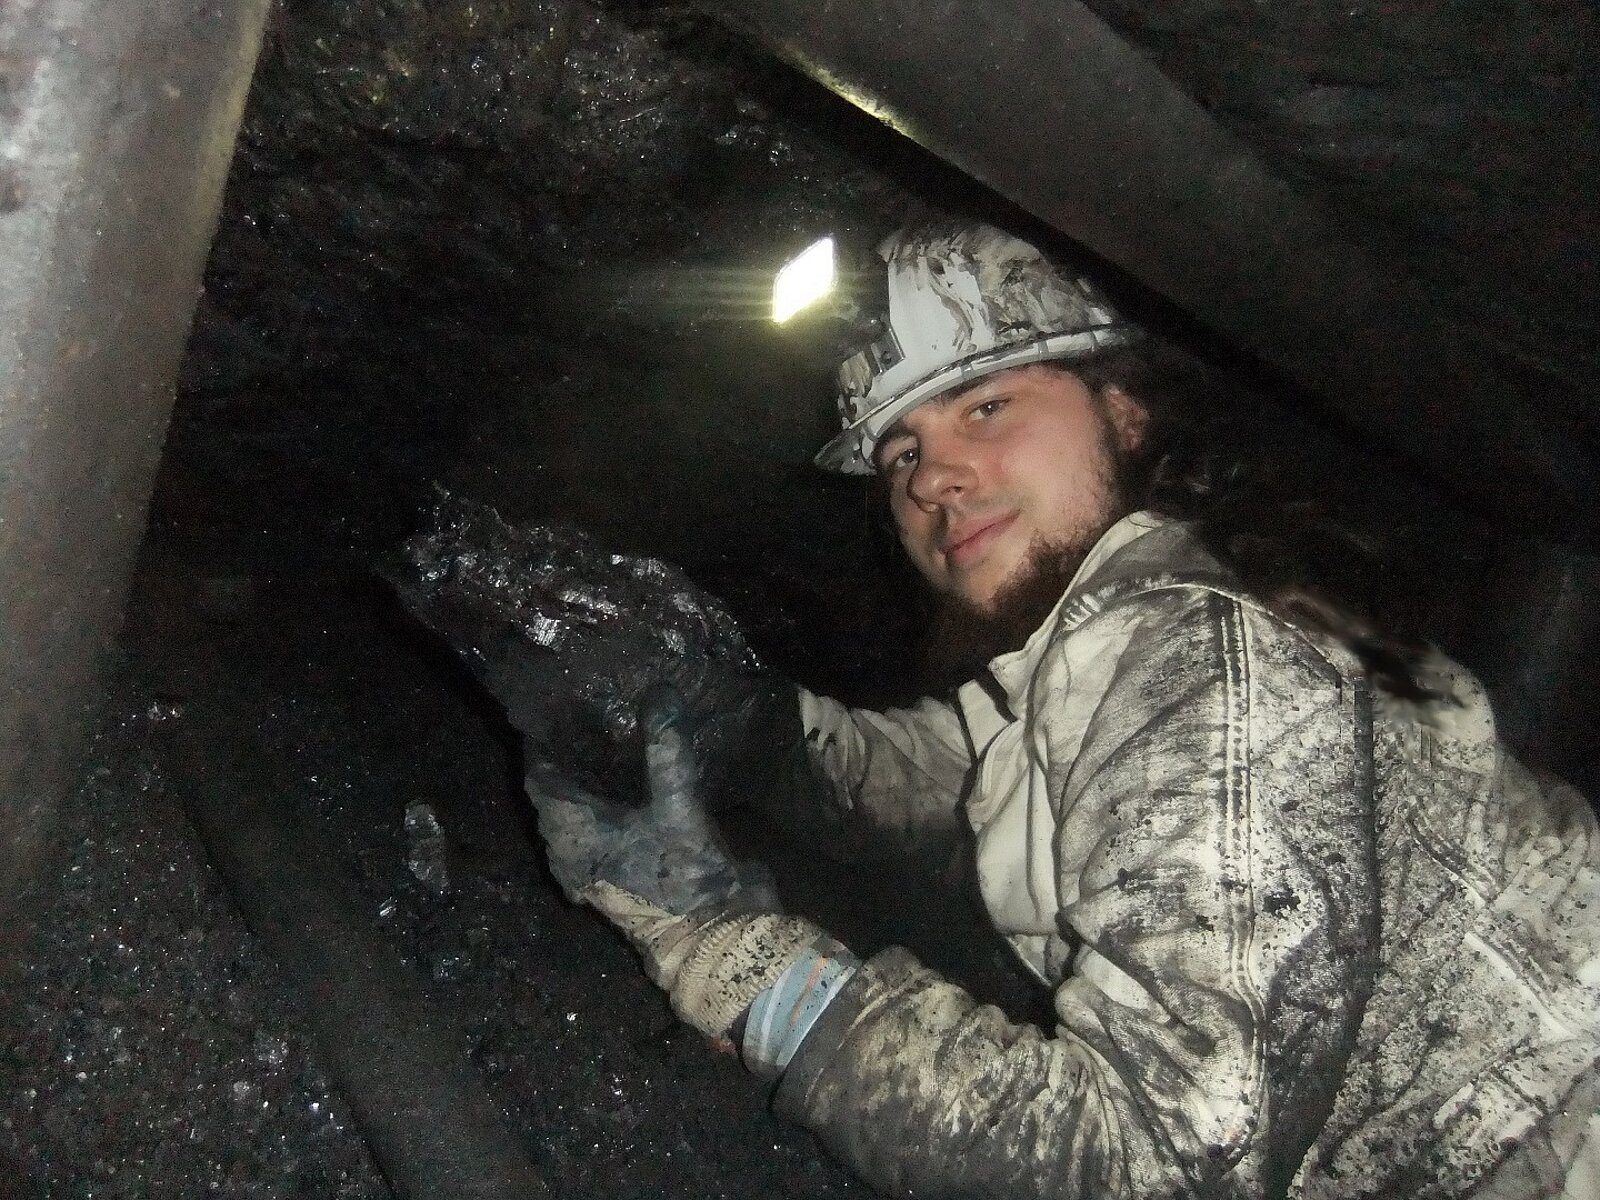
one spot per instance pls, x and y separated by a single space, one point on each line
964 301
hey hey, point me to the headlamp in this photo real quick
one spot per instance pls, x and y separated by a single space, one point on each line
835 302
804 280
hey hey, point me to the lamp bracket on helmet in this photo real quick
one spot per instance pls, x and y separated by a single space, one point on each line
834 298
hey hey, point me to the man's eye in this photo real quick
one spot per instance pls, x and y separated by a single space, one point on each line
989 407
906 456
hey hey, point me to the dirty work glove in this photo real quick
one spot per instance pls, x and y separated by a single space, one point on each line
710 931
669 852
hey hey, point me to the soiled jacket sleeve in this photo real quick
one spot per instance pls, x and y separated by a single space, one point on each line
892 781
1213 832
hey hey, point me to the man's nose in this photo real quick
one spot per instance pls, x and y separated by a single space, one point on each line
942 473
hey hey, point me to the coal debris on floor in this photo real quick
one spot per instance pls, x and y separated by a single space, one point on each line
152 1048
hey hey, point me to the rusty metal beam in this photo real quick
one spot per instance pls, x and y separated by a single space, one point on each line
1041 101
117 124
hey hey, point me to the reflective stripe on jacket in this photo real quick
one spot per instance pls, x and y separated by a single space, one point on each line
1302 942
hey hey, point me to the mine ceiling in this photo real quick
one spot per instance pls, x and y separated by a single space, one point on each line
438 206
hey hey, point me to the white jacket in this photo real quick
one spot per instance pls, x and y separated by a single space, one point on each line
1303 940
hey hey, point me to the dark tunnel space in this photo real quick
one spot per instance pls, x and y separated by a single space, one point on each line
518 251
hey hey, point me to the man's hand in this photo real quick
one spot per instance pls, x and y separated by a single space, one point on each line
711 931
668 853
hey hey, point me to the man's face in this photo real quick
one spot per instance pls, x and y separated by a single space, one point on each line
987 481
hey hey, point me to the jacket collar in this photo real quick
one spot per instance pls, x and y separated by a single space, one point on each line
1142 548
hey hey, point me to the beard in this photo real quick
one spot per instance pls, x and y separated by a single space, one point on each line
963 637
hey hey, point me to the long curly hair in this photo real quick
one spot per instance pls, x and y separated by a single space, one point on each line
1315 567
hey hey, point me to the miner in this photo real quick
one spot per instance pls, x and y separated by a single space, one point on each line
1309 929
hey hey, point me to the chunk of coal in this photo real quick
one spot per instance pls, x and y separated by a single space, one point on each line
568 635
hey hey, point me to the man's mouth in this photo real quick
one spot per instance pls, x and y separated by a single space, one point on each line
969 542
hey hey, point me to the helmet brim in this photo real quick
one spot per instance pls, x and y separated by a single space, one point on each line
850 452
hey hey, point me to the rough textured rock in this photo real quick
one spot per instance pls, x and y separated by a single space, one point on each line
1468 135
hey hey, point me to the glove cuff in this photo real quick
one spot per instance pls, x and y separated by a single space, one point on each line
712 963
733 959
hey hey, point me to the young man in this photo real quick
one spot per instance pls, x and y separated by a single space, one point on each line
1310 930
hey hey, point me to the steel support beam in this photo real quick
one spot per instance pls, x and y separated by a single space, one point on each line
117 124
1042 102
